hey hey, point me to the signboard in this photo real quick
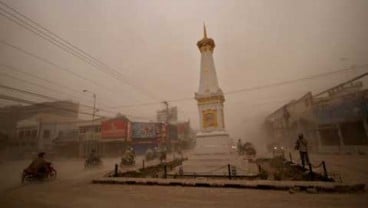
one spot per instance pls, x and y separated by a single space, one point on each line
172 132
209 118
168 115
144 130
114 129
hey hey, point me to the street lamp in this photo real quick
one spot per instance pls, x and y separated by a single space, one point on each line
94 103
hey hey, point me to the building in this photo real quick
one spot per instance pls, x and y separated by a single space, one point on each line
10 115
39 132
332 121
89 137
342 122
115 136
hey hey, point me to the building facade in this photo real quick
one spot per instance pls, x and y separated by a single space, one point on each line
39 132
10 115
334 121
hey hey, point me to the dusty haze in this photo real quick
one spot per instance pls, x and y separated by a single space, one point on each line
152 44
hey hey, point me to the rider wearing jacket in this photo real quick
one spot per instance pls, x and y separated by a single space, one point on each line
38 165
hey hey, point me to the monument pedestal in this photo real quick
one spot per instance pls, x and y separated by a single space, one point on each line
211 154
213 143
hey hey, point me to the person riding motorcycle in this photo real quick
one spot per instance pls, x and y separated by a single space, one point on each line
93 160
92 157
39 166
128 157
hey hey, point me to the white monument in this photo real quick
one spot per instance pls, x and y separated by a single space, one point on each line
212 138
212 152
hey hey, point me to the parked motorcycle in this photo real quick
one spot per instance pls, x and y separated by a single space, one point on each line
93 163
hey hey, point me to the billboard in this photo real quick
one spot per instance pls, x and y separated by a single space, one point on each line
168 115
172 132
144 130
114 129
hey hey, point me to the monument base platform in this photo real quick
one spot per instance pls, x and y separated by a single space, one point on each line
211 154
214 143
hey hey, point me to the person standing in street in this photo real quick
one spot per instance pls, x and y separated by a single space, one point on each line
302 146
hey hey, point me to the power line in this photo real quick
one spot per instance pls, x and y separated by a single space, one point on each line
249 89
13 69
77 52
53 64
68 47
43 96
22 100
342 84
48 62
35 84
41 78
135 105
291 81
56 66
53 99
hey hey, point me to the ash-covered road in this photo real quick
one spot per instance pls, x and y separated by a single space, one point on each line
73 189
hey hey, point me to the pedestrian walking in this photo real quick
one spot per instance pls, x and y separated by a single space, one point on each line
302 146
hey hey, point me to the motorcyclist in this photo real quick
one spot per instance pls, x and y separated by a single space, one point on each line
163 153
149 154
39 165
92 157
129 155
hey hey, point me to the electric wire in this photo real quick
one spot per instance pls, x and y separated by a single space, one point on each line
249 89
67 46
62 86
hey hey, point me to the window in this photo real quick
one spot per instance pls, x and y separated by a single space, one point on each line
46 134
82 130
354 133
34 133
21 134
329 136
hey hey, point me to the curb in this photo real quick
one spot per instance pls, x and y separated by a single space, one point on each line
330 187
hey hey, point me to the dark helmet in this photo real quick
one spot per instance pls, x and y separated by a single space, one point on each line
41 154
300 136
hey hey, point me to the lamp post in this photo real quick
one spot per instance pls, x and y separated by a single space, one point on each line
94 103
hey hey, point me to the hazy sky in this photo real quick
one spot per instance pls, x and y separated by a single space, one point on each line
153 45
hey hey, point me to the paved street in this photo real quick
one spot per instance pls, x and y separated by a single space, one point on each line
72 188
351 168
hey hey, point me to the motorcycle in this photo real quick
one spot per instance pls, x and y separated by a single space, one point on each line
49 174
127 161
91 163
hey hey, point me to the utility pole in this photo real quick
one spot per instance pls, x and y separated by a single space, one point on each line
167 121
92 132
94 103
167 111
94 106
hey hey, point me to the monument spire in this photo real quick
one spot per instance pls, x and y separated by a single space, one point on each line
204 31
209 96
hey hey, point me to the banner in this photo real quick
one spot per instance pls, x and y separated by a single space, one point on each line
114 129
144 130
